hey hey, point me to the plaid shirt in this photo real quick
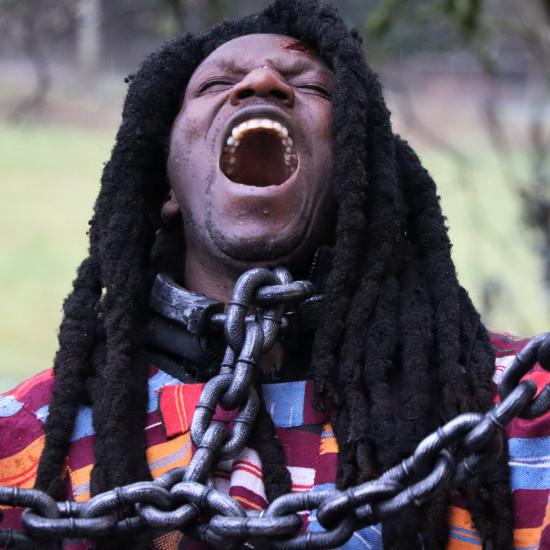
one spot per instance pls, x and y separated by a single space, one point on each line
308 440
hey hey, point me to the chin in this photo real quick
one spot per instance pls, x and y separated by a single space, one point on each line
268 250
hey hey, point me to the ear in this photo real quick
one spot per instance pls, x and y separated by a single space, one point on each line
170 209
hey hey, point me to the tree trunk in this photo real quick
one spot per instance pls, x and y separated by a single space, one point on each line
88 38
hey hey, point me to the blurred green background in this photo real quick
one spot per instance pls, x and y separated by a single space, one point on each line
469 92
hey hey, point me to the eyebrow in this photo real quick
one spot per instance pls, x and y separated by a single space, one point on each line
229 65
292 68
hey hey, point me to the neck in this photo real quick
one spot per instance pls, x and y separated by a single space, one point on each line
215 283
217 279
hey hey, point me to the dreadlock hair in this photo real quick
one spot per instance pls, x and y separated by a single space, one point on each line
401 348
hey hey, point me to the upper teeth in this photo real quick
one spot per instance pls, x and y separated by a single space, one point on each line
234 139
254 124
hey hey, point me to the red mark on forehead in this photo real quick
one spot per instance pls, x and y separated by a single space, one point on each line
297 46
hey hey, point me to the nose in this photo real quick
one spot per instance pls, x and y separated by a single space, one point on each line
263 82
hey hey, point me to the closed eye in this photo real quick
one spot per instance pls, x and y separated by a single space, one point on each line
315 88
213 85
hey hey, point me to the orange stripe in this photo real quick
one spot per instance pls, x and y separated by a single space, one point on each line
248 503
26 480
461 519
163 450
328 443
458 517
546 519
12 480
80 477
527 538
21 463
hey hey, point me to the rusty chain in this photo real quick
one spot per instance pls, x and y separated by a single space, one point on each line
178 499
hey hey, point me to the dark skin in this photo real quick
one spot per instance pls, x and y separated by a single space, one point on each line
267 209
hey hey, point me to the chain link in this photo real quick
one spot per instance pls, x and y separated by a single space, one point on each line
177 499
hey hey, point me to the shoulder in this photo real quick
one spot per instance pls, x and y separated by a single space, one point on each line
22 414
30 398
528 439
528 451
506 346
506 343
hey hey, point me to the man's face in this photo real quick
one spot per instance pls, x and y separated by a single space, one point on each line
250 154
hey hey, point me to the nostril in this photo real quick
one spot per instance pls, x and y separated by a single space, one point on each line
243 94
279 94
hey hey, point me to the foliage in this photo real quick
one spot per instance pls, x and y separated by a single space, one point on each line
509 40
31 25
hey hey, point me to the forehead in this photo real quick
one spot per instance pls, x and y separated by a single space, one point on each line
252 50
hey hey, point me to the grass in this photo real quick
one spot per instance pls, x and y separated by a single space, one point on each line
49 181
495 256
50 175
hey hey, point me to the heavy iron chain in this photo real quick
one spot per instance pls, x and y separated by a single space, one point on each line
179 499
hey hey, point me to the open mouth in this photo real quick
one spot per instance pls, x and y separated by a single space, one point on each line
259 152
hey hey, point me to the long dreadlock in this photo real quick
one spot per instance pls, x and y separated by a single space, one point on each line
399 328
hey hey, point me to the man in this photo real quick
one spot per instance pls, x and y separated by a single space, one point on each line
266 142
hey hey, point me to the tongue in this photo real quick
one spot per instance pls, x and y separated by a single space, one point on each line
260 160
